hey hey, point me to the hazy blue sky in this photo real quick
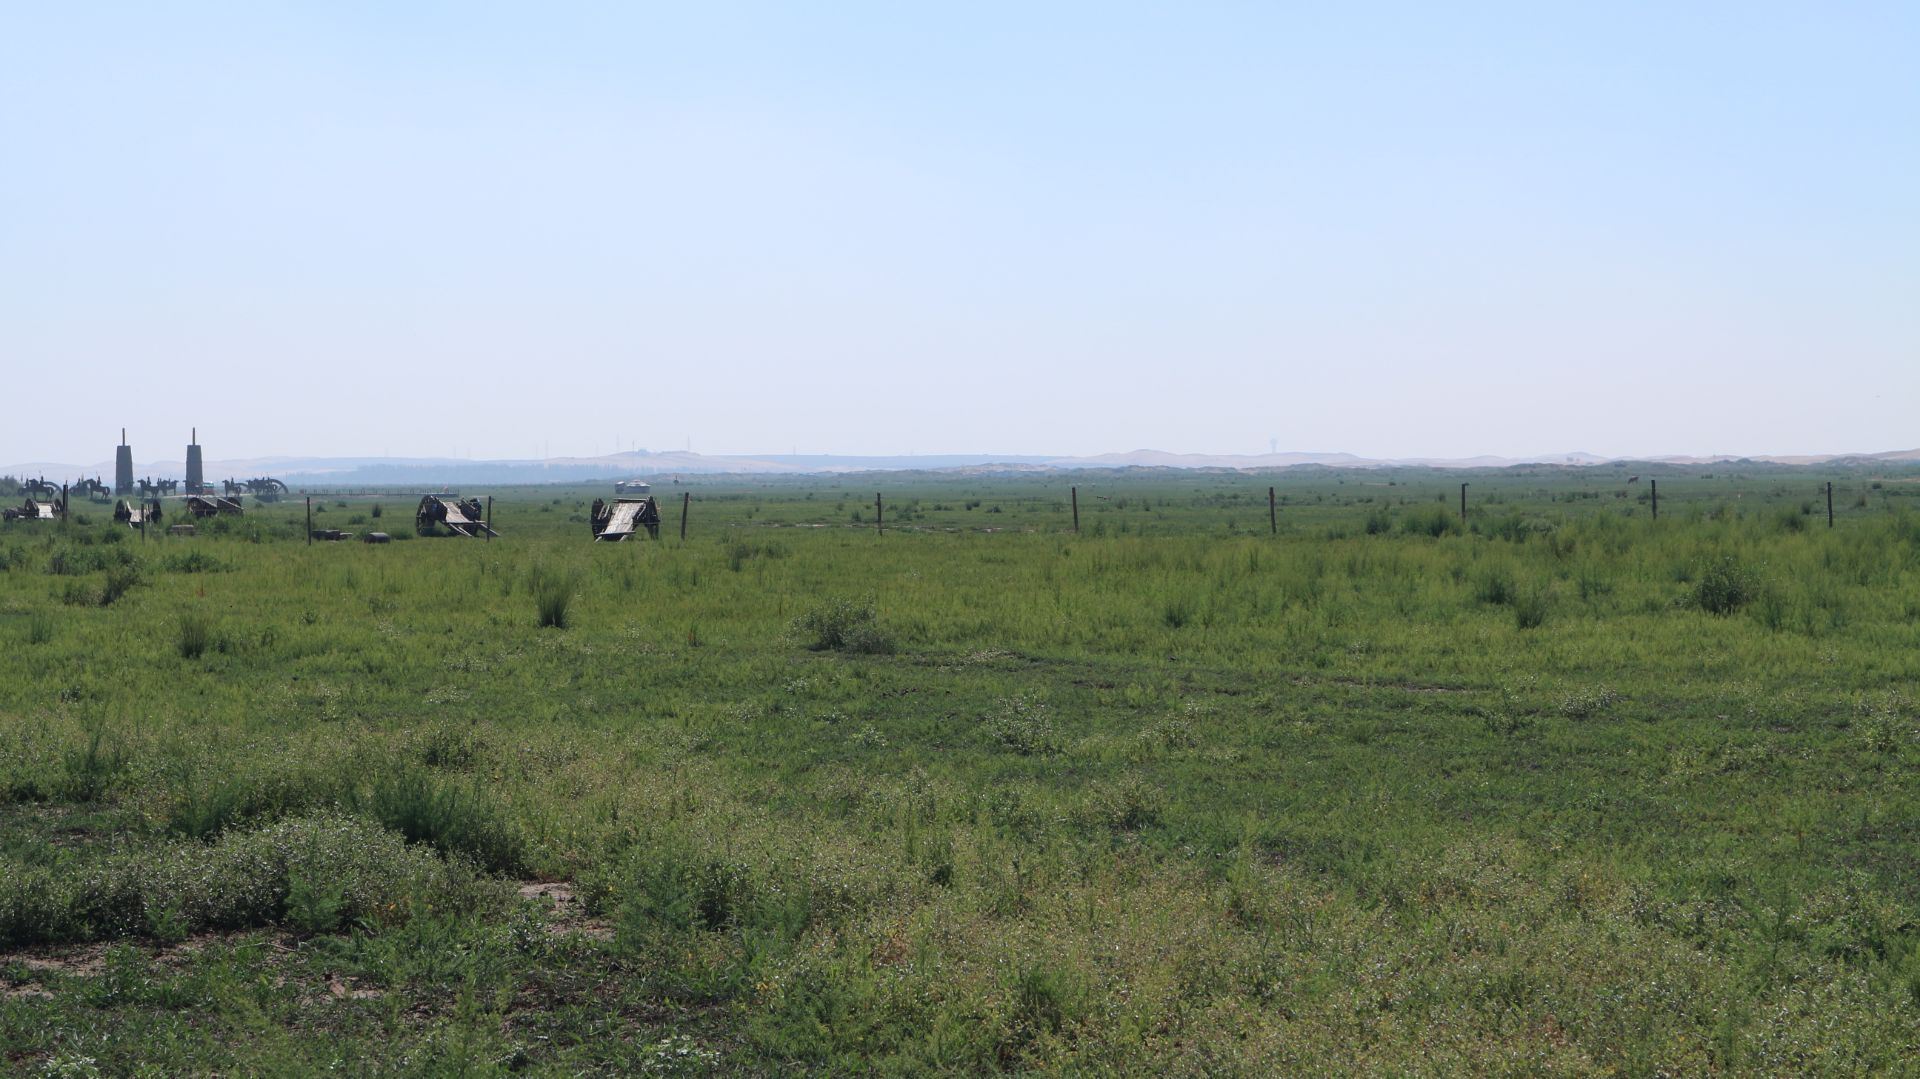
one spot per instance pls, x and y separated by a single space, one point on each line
1392 229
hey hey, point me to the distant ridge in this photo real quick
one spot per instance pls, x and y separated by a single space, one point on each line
429 471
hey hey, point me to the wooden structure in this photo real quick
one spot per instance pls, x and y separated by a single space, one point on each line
462 517
624 517
137 514
210 506
37 510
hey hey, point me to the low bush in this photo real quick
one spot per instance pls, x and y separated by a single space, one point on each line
120 581
844 626
194 561
323 870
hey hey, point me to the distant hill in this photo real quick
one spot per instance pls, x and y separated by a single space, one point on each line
443 471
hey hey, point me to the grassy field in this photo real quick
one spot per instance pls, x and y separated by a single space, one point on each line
1567 790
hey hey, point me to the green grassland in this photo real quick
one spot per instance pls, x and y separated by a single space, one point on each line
1565 790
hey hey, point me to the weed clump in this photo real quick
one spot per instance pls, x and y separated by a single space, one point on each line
1530 609
1023 726
552 598
844 626
195 635
454 819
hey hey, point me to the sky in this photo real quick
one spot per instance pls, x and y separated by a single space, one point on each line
1392 229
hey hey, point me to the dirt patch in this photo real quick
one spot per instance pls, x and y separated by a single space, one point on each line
345 989
80 960
564 910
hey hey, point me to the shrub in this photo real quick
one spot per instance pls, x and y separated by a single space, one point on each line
1435 521
1495 586
844 626
120 581
1723 586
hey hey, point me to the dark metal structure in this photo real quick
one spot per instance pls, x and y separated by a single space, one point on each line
92 489
262 487
40 488
462 517
624 517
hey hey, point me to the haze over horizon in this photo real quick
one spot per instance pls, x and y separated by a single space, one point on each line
1392 230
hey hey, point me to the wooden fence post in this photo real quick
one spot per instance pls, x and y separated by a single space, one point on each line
686 499
1829 503
879 515
1463 505
1076 510
489 528
1653 488
309 520
1273 515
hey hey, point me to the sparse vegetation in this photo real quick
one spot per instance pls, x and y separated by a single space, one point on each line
1567 786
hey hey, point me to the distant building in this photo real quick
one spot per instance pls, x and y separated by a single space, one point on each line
639 488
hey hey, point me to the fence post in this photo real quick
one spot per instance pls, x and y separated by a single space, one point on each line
309 520
686 499
1653 488
489 528
1076 510
879 515
1273 515
1463 505
1829 503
